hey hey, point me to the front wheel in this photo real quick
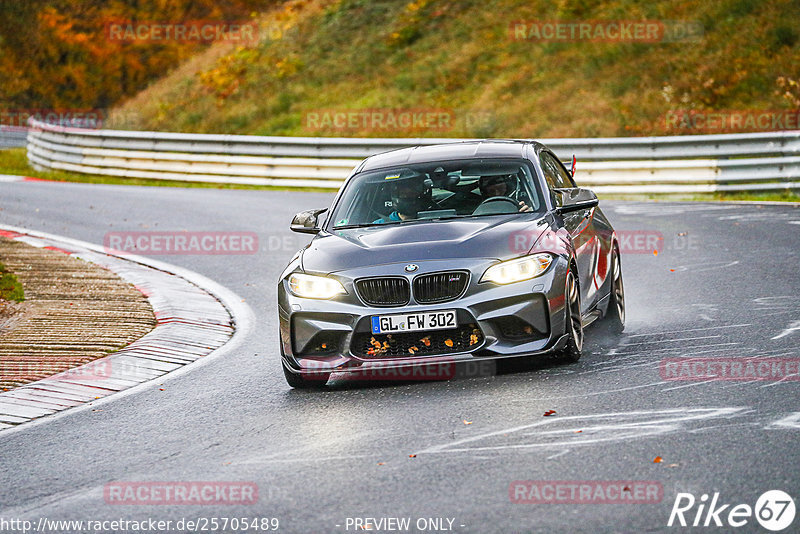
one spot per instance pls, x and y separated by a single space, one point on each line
615 315
572 352
298 381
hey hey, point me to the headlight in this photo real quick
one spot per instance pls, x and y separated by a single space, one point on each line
314 287
518 269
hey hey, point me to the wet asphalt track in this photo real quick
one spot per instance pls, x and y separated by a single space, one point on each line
724 284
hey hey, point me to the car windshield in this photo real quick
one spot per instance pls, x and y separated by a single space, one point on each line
438 190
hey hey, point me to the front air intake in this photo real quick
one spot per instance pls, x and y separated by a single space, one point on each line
385 291
440 287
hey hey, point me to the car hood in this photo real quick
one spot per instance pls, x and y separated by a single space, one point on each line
499 237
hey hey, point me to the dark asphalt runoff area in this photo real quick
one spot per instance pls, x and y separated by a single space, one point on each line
444 455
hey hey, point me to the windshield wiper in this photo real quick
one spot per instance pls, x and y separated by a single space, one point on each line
445 218
349 226
365 225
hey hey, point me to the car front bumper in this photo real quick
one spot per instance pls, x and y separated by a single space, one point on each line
520 319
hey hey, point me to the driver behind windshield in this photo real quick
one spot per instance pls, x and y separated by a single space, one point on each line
501 185
410 194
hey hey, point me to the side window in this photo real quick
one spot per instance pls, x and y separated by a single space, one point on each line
565 175
557 177
550 174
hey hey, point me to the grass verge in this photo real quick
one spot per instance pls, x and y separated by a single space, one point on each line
10 287
738 196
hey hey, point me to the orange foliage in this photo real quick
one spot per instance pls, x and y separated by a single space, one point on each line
59 55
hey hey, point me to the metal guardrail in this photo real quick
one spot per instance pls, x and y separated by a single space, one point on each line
12 137
676 164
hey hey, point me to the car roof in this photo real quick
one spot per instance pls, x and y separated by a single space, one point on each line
488 148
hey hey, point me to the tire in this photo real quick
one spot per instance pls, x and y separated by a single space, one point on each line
615 314
298 381
574 327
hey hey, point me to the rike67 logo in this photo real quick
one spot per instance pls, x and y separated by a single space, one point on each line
774 510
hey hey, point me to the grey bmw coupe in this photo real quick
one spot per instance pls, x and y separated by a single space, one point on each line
458 252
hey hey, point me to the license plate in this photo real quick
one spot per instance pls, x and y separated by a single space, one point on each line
413 322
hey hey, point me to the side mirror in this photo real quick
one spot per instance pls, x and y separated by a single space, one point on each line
306 222
574 199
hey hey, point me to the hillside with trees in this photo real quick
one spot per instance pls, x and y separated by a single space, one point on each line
59 54
330 67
